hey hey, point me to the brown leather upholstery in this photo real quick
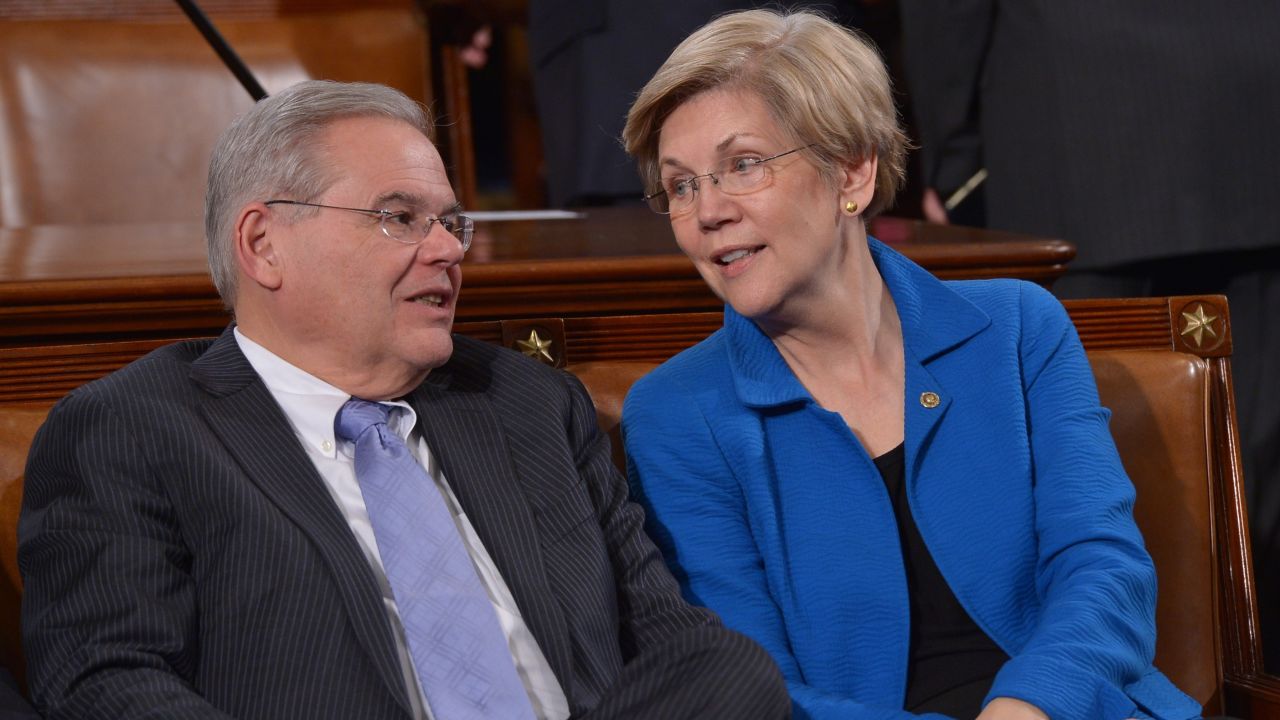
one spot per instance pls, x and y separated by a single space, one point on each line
1161 424
608 382
18 425
106 121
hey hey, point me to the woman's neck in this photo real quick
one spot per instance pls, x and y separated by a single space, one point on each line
852 326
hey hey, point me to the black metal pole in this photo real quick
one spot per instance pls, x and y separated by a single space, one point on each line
220 46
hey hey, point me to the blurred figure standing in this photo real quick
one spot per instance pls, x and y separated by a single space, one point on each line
589 58
1147 133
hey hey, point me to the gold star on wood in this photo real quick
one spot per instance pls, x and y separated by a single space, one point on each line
1197 323
536 348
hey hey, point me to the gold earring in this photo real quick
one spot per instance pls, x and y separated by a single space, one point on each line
851 207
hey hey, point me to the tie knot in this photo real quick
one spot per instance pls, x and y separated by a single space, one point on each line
358 415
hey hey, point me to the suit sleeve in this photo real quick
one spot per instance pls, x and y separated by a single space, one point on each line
1094 578
651 608
946 46
108 612
698 518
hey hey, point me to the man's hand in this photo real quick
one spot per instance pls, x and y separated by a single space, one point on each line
933 209
1003 708
475 54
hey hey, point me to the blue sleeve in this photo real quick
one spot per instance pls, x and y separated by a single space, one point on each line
1094 579
697 515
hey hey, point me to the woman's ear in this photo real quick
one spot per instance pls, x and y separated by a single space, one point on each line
255 248
857 184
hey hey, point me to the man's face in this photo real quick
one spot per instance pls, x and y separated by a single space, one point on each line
367 313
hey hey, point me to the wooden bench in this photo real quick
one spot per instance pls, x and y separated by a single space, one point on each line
1163 367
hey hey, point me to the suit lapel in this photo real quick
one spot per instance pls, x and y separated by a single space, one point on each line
936 321
255 431
465 435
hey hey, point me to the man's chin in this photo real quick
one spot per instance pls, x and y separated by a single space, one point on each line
433 350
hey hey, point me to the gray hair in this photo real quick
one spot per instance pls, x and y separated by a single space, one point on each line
824 84
273 151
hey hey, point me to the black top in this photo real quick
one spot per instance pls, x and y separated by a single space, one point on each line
952 662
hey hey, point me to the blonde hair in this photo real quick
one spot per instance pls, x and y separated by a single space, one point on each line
824 84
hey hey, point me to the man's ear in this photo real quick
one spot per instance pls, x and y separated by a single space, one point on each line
254 244
858 182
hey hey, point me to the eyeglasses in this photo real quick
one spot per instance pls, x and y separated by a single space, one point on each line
737 175
408 226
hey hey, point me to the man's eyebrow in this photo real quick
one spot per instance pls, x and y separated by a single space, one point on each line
400 196
416 201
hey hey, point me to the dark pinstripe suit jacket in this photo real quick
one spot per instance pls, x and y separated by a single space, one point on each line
1137 130
183 559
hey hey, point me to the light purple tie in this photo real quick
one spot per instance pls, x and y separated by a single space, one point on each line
458 648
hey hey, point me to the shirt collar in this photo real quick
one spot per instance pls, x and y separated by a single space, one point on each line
935 318
311 404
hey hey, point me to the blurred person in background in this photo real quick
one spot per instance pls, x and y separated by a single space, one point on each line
589 59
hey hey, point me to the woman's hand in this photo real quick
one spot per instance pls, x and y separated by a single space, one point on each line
1003 708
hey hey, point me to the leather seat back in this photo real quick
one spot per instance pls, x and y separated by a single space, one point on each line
1162 426
18 425
108 121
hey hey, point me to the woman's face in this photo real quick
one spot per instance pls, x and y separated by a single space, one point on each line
772 252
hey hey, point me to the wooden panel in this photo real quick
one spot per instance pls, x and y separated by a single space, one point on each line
1138 323
1155 323
67 284
47 373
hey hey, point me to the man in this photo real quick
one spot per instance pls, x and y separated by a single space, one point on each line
244 527
589 59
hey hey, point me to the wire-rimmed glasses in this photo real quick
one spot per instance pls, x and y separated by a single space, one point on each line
736 175
409 226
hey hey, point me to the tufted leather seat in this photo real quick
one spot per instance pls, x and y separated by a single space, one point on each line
109 120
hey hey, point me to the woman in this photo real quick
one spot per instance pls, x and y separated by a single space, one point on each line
903 488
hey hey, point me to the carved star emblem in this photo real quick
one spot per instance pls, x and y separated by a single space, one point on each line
536 348
1197 323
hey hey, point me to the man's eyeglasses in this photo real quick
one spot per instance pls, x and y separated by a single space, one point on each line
737 175
409 226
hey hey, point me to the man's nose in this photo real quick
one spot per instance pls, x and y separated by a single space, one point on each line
440 246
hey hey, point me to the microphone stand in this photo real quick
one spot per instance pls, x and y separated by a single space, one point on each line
220 46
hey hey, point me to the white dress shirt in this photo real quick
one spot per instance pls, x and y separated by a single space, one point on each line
311 405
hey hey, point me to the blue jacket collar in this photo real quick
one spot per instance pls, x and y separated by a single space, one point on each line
935 319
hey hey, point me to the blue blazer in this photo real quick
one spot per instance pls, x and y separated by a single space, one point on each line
771 513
